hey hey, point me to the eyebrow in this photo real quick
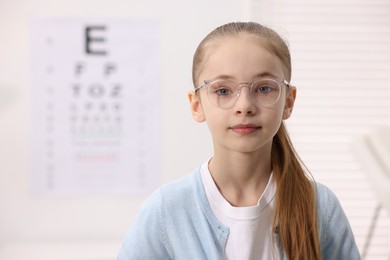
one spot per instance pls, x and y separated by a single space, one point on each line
265 74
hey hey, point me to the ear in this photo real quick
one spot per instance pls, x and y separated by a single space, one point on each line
291 94
196 107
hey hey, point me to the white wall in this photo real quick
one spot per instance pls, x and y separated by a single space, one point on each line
92 227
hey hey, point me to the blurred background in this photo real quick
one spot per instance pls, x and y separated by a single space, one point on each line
70 191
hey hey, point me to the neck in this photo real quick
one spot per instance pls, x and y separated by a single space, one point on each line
241 177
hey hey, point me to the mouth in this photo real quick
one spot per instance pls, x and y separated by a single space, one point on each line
245 129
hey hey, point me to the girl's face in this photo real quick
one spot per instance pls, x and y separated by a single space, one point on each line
245 127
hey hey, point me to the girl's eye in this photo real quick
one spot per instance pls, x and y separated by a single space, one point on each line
223 92
222 88
263 89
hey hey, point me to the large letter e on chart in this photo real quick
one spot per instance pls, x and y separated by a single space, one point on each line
90 39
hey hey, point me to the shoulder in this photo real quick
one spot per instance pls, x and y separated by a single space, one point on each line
327 204
325 196
336 236
175 194
180 189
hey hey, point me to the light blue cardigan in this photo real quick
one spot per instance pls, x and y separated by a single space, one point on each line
176 222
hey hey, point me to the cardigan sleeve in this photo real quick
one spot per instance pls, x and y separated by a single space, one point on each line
147 238
337 239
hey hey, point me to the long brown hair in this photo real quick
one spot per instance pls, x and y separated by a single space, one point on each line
295 218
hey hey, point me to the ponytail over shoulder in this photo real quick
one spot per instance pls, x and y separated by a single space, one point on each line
295 215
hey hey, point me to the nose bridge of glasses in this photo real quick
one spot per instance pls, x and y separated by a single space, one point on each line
243 84
248 96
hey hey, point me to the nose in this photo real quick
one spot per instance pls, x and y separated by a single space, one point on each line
245 103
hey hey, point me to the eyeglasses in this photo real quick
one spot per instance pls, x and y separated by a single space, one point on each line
224 93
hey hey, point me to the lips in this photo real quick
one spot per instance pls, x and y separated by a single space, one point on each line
245 128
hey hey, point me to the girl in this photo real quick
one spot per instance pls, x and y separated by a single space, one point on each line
253 199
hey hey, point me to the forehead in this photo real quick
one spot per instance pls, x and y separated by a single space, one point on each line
242 57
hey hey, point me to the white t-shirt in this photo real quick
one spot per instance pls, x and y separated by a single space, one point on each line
250 235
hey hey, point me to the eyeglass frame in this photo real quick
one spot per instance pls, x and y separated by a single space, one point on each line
207 83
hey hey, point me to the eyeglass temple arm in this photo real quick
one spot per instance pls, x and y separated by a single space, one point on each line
204 83
286 83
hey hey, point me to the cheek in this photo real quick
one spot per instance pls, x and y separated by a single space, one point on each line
216 122
213 121
274 117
